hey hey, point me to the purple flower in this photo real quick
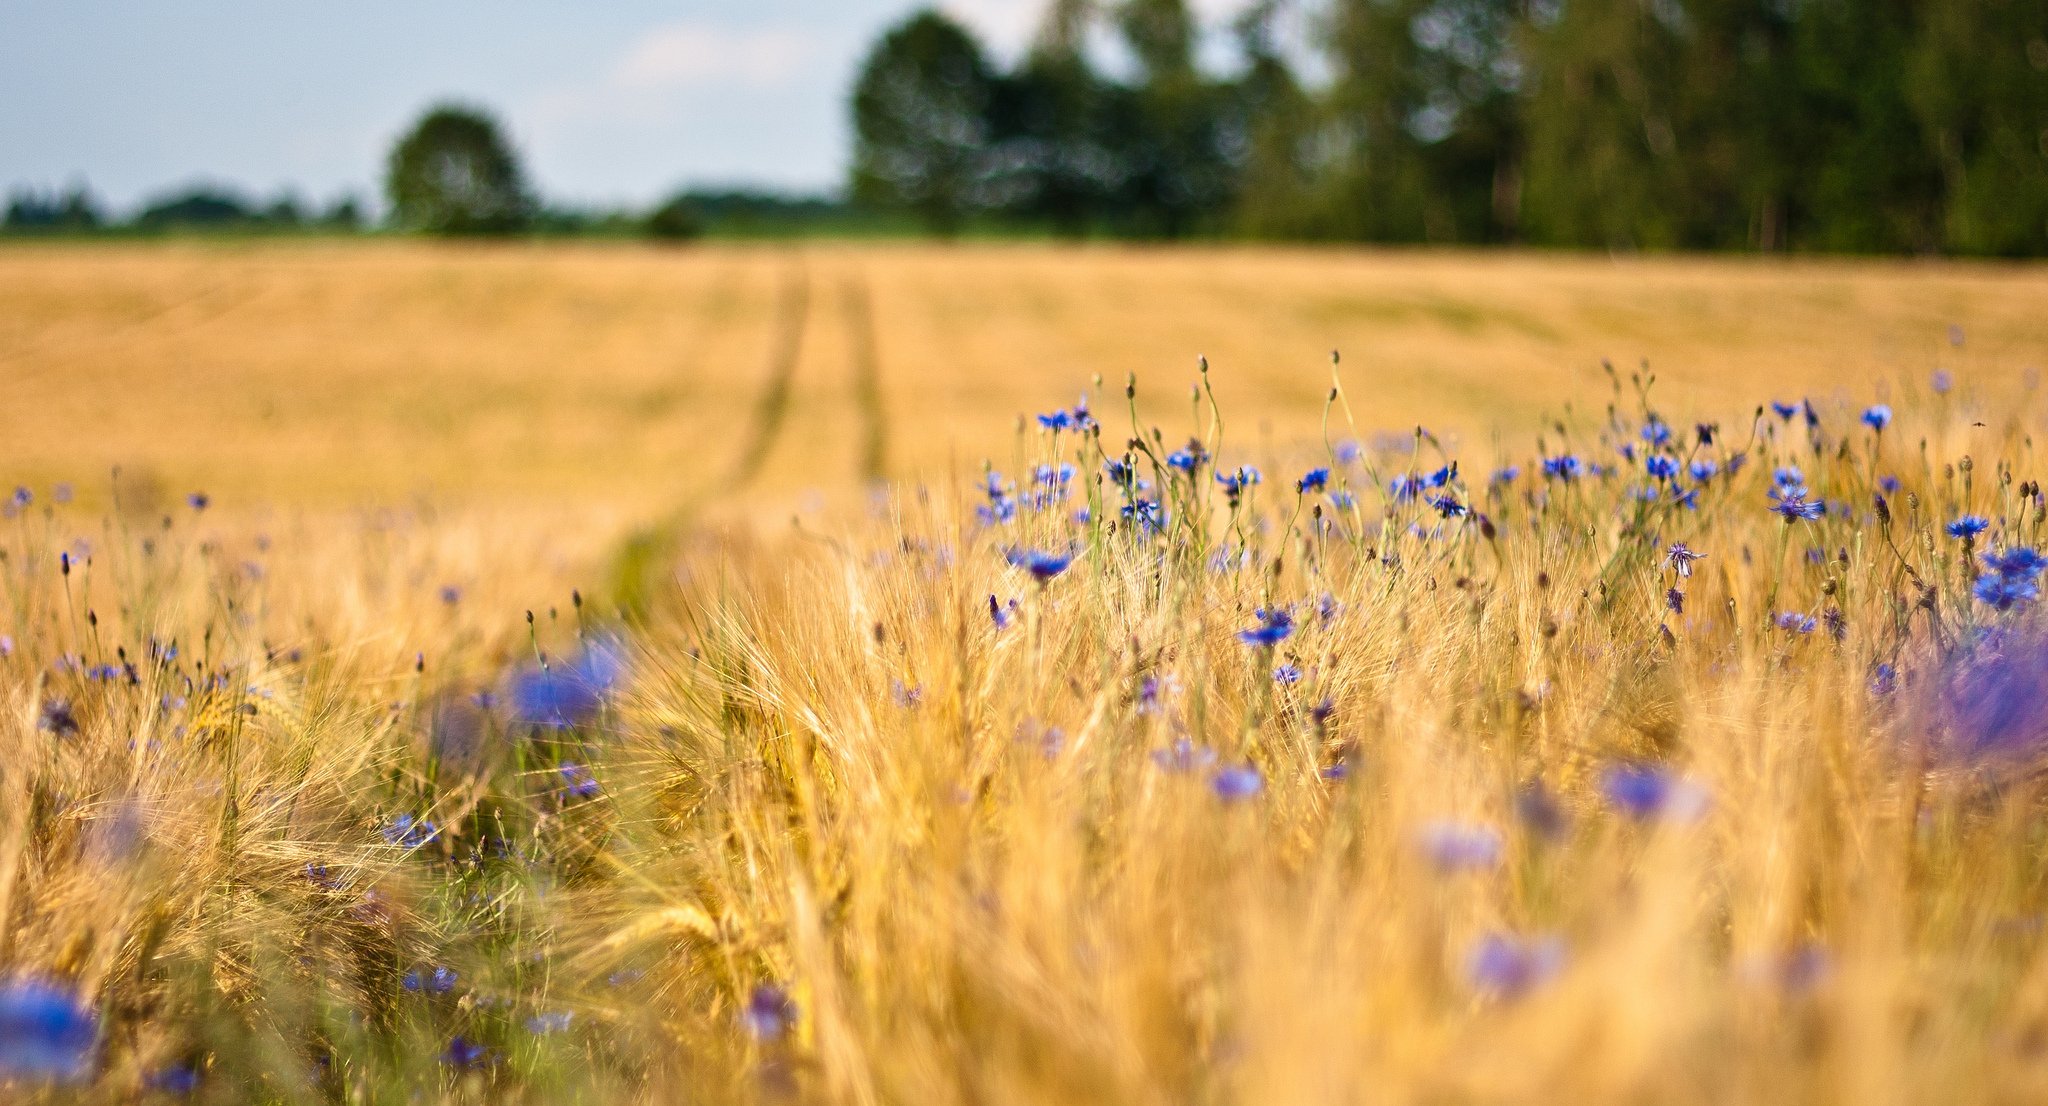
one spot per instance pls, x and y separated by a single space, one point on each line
1661 467
409 833
1183 756
1459 847
1000 615
1656 431
1042 565
569 693
1314 480
1565 467
1287 675
1797 623
549 1021
578 783
1968 527
1275 624
1237 782
769 1013
46 1032
1680 557
1702 470
1506 966
1942 381
1649 791
465 1053
1785 410
1877 417
1793 507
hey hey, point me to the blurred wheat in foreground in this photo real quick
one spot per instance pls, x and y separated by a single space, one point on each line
1674 763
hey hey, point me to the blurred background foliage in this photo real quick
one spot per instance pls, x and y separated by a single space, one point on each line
1855 126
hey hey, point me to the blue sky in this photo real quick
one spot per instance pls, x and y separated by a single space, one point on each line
609 100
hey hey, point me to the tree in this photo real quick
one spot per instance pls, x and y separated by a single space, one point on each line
454 173
920 122
33 212
675 220
1169 127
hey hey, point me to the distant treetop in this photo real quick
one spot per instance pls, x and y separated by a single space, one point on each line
454 173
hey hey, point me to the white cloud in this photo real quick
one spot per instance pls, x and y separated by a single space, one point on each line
683 55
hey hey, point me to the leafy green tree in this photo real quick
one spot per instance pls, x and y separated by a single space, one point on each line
454 173
675 220
921 122
1168 128
1978 83
1054 159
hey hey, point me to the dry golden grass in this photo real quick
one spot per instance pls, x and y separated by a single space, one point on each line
373 373
851 835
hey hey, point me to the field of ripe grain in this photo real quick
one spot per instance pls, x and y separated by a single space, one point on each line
424 714
345 374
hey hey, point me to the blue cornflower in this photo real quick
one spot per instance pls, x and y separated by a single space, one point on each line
1680 557
570 692
1797 623
1564 467
1888 484
1968 527
465 1053
1942 381
1314 480
23 497
578 783
1506 474
176 1080
1343 500
1404 487
1675 599
1348 451
1185 460
198 501
1287 675
1506 966
1041 564
1447 506
1877 417
1236 482
1646 791
46 1032
2002 592
1183 755
440 981
1121 473
1661 467
1457 846
1275 623
1702 470
1053 476
2021 561
999 509
549 1021
1656 432
407 832
1237 782
1789 476
1056 420
1146 514
1441 476
769 1013
1785 410
1000 615
1795 507
1328 608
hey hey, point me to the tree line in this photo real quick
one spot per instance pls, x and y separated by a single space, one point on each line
1898 126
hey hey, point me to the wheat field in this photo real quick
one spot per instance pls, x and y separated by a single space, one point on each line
891 674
